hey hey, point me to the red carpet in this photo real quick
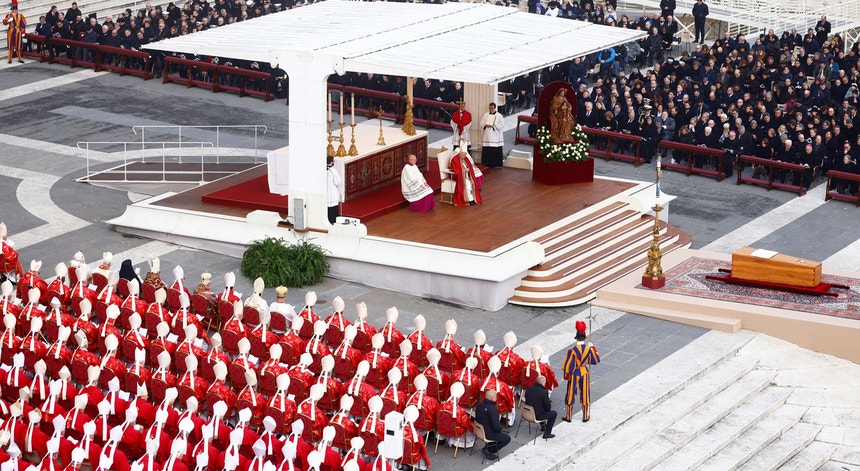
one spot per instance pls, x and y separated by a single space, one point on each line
249 194
254 194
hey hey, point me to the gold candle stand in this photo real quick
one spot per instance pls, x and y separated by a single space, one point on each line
381 140
341 150
353 151
329 152
654 277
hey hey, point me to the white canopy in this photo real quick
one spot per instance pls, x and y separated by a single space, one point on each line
468 42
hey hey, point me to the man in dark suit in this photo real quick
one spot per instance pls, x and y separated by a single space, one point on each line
487 414
538 397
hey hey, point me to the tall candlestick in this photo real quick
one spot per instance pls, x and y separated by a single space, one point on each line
341 108
352 107
329 106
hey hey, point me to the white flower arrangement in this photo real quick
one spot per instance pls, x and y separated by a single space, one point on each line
574 151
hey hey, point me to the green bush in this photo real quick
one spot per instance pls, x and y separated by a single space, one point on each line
278 263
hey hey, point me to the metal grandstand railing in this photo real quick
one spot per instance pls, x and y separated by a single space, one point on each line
752 17
176 154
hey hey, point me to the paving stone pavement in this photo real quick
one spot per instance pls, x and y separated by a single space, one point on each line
48 109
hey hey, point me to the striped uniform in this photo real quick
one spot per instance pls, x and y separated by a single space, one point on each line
575 369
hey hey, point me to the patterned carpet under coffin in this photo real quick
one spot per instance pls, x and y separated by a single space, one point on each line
688 278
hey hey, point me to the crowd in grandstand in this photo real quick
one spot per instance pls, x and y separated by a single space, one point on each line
790 96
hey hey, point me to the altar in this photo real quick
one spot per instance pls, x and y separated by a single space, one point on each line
375 166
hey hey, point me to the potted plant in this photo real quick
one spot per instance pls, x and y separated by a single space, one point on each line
278 263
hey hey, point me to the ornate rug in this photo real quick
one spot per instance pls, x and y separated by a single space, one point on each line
688 279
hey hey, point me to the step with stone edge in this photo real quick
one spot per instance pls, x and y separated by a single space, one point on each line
629 401
696 422
783 449
634 433
699 450
756 439
812 457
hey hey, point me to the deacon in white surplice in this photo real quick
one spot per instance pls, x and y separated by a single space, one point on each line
415 188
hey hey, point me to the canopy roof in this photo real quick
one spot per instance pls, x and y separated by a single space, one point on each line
468 42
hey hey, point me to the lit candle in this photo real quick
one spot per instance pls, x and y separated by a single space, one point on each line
329 105
352 106
341 107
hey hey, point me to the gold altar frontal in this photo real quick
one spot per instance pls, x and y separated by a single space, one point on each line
378 166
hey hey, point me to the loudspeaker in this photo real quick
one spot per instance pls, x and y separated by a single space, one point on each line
299 214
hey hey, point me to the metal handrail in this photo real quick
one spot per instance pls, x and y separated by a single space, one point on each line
217 128
164 146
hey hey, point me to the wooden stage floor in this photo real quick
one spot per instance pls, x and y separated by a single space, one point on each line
514 206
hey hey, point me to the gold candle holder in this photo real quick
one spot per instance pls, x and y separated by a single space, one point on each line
408 121
341 150
329 152
353 151
381 140
654 277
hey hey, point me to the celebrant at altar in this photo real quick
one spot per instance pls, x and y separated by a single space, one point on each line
415 188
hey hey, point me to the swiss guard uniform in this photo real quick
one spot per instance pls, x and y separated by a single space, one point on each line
576 371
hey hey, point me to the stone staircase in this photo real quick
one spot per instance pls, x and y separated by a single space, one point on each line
713 405
590 252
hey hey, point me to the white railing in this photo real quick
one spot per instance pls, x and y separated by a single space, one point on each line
183 142
258 130
136 153
755 16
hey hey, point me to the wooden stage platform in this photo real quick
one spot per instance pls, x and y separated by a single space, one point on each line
514 207
475 255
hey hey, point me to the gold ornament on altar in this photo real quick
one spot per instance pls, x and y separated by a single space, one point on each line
341 150
381 140
353 151
408 121
329 152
